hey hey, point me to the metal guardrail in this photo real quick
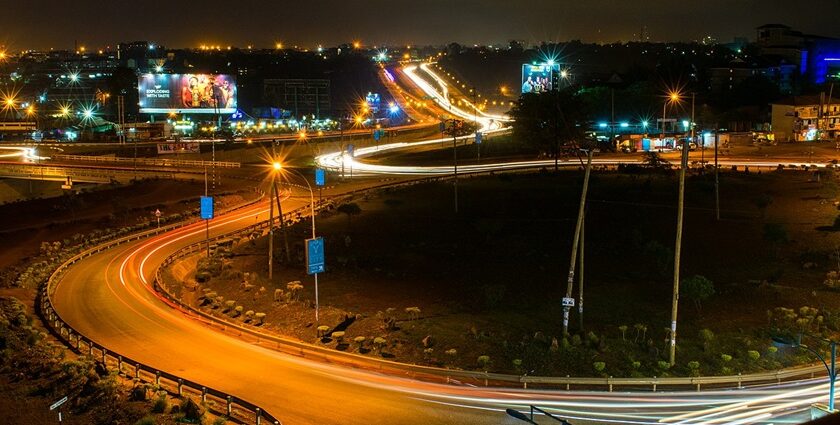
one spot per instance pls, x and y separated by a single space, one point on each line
161 162
234 407
449 375
27 170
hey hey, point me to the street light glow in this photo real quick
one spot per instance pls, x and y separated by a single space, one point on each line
277 166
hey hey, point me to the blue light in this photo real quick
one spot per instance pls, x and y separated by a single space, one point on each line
394 109
625 125
602 125
644 124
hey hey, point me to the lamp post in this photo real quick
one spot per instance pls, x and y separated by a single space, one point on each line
312 205
832 372
673 97
276 167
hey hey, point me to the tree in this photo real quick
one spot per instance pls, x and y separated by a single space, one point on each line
698 289
550 121
350 209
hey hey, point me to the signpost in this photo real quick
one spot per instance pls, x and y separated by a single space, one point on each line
315 263
207 215
58 404
320 180
157 216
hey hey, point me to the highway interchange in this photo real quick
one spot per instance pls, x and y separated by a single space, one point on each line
110 299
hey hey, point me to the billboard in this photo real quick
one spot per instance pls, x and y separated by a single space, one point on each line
539 78
187 93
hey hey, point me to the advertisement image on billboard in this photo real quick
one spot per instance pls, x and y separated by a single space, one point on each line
538 78
187 93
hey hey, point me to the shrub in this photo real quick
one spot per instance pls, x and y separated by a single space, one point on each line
707 336
249 315
772 350
599 366
753 355
260 318
413 312
379 342
623 330
663 365
191 410
238 311
360 342
322 330
338 336
229 305
451 352
726 357
294 289
636 365
484 362
698 289
694 368
161 404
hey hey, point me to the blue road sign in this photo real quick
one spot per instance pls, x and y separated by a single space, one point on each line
320 177
350 149
442 126
376 135
315 255
206 207
478 138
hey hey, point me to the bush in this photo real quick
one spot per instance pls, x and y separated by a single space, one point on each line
663 365
707 336
698 289
260 318
413 312
599 366
161 404
726 357
753 355
694 368
192 411
484 362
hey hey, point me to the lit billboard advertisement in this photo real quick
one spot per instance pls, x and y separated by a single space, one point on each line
187 93
539 78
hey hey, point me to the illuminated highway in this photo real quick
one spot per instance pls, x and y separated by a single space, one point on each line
108 298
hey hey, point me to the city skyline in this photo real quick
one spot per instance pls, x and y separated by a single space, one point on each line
85 23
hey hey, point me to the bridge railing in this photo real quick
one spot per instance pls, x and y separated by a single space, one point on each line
218 401
161 162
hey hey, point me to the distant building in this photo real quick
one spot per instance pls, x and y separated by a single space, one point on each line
806 118
779 72
817 57
299 96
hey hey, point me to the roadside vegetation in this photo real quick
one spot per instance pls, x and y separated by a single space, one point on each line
409 280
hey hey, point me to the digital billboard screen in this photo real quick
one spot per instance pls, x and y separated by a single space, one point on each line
187 93
538 78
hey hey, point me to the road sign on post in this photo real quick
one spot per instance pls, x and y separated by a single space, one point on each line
350 149
320 177
568 302
315 255
478 138
206 207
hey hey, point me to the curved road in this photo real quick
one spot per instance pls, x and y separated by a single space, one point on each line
108 297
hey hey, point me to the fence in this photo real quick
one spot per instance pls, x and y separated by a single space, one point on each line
160 162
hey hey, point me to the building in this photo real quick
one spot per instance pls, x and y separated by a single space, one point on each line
300 96
806 118
817 57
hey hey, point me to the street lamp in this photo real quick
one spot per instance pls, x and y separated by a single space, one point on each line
673 97
832 372
312 206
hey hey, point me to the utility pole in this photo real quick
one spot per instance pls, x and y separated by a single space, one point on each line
717 182
283 226
580 275
475 124
568 301
206 222
676 292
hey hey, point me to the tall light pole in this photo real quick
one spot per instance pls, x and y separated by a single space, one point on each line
675 297
672 97
275 169
312 205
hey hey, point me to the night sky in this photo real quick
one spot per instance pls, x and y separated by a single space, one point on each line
41 24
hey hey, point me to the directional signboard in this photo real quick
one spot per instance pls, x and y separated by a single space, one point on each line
478 138
350 149
315 256
320 177
206 207
568 302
